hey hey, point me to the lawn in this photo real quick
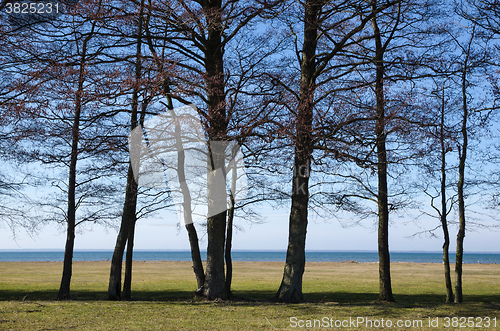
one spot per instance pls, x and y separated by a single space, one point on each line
337 294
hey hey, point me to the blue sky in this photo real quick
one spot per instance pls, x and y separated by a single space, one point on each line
161 233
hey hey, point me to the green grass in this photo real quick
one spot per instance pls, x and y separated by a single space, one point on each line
163 297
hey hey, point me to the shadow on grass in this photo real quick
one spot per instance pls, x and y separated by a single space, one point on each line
260 297
356 299
51 295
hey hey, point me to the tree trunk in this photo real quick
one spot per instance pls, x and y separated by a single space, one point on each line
129 207
196 256
290 289
64 289
229 262
217 131
461 231
127 282
216 227
214 278
385 291
186 196
115 276
444 222
193 242
229 233
447 270
291 285
460 188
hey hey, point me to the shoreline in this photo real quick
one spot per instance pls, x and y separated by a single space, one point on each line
257 262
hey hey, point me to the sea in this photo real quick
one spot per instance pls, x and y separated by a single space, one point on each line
241 255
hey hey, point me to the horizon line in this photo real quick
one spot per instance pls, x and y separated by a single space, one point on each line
234 250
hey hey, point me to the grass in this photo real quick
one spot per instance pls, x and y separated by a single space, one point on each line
163 297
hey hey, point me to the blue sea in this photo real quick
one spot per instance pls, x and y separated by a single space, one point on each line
311 256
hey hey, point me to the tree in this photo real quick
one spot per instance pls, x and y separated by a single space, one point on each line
75 133
443 212
463 116
291 285
338 28
198 33
129 217
395 60
161 61
373 146
442 135
464 70
479 23
397 21
380 131
64 85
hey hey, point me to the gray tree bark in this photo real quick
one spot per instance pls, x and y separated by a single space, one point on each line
64 289
127 281
216 226
460 186
217 131
127 225
290 289
229 233
385 288
444 213
186 196
129 208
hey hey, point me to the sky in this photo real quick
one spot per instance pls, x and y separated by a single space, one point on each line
161 233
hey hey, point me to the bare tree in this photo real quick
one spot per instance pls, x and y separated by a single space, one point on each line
319 71
161 61
199 33
463 148
442 134
129 217
67 129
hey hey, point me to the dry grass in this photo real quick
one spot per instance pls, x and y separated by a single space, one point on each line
163 297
